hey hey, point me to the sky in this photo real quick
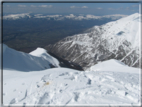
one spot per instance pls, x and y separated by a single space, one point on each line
72 8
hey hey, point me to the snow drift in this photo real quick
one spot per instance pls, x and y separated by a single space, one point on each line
20 61
63 86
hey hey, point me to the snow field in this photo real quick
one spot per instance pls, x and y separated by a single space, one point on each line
62 86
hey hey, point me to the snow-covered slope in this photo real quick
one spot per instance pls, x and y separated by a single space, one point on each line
118 40
36 60
40 52
124 29
112 65
63 86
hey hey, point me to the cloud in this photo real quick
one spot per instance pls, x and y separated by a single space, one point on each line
135 5
46 6
33 6
84 7
99 8
22 6
110 9
127 7
72 7
121 8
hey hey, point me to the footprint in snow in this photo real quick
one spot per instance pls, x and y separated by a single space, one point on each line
89 81
23 83
14 100
61 90
76 73
45 77
71 78
14 90
44 99
66 73
4 94
76 96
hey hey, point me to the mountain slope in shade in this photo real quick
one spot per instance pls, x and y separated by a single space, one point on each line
118 40
20 61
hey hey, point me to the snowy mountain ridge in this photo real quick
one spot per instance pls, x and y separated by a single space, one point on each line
112 65
62 17
36 60
114 40
125 29
17 16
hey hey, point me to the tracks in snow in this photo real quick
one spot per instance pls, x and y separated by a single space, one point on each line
66 88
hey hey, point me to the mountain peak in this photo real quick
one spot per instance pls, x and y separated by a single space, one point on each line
133 17
38 52
114 40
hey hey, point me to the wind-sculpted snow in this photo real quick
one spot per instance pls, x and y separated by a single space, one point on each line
36 60
118 40
63 86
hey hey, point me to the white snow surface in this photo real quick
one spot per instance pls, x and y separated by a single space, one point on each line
108 83
127 28
40 52
113 65
115 32
36 60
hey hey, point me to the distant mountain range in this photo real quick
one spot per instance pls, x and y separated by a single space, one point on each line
115 40
62 17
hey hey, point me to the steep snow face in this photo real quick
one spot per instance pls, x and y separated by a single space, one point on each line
124 29
63 86
40 52
118 40
16 60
